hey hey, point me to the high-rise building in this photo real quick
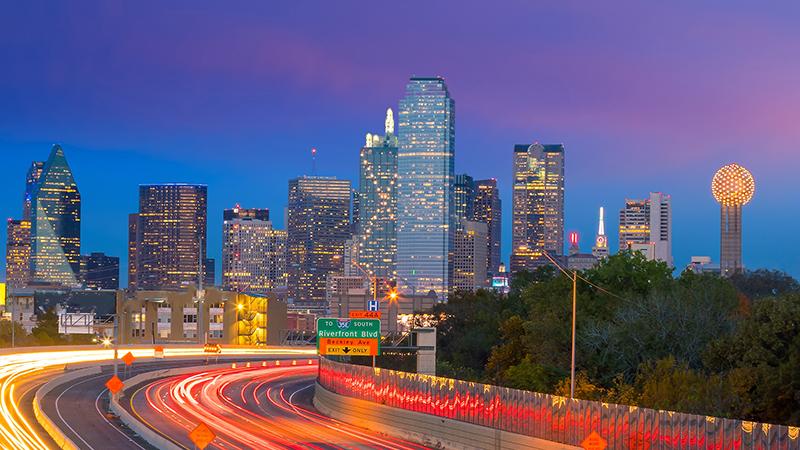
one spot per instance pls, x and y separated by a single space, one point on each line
538 205
355 214
18 253
209 272
425 167
55 210
318 227
99 271
733 187
31 180
646 226
463 197
171 235
378 203
133 220
600 249
488 209
253 252
470 256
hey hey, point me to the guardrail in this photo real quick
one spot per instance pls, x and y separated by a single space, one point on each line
551 417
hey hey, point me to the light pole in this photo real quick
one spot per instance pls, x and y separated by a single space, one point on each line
239 308
574 278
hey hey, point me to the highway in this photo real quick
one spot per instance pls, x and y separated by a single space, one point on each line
249 408
23 372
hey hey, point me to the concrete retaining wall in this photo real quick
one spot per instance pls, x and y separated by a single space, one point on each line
426 429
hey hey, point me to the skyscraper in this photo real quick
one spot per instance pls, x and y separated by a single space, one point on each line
99 271
538 205
646 226
487 208
470 255
378 203
600 249
463 197
318 227
18 253
733 187
171 235
55 210
253 252
31 179
425 164
133 239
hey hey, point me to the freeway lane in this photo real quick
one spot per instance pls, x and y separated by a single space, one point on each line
257 408
23 370
78 408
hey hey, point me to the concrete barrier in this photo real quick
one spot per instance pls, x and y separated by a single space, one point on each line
58 436
426 429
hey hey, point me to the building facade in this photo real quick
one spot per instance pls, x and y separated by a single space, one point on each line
133 220
317 230
463 198
425 169
470 256
487 208
99 271
538 205
377 194
55 211
646 225
253 252
31 180
170 235
18 253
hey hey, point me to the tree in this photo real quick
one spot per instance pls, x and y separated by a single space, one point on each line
46 330
20 336
764 283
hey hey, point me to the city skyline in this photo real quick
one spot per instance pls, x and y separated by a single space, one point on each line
639 140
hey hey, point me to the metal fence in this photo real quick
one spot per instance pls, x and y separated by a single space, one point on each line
551 417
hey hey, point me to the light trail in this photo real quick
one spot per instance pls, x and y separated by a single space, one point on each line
250 408
19 432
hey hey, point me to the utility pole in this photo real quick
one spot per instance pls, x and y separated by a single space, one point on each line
116 341
13 321
200 294
574 308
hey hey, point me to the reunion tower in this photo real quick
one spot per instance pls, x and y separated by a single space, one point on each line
733 186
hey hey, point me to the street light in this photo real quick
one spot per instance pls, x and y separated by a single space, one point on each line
574 277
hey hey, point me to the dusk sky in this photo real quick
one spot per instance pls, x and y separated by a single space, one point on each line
645 96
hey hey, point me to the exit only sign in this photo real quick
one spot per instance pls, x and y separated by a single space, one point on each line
360 337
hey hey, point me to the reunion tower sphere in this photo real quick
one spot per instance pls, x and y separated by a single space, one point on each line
733 185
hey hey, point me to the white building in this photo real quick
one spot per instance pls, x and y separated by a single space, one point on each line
646 226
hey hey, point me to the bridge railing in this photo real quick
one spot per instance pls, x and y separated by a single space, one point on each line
551 417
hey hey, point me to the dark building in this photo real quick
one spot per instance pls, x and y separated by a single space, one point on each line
209 272
245 213
100 271
318 227
55 210
133 220
31 180
170 236
487 208
463 198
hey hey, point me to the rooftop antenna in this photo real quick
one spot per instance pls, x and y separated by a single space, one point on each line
313 161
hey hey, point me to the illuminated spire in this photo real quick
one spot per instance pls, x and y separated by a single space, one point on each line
389 121
601 230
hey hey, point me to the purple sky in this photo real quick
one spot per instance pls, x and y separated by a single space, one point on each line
644 96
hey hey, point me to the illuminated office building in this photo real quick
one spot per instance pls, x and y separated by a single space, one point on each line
31 179
487 208
318 227
425 212
170 235
18 253
253 252
646 226
538 205
377 196
470 256
55 211
133 220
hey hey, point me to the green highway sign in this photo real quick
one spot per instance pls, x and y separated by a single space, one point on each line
336 336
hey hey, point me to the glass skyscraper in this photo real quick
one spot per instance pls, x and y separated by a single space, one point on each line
318 227
55 211
378 203
170 235
425 224
463 198
538 205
